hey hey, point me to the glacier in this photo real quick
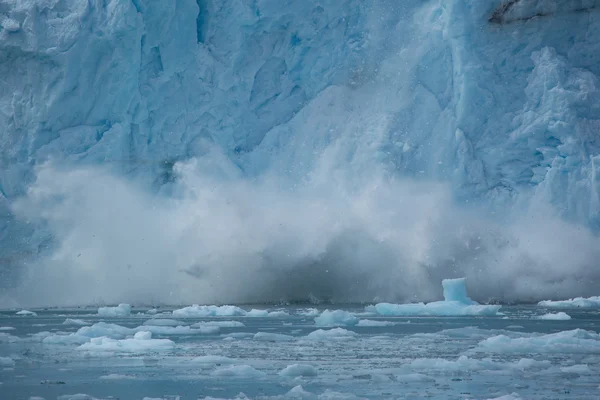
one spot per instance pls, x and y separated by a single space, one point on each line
171 152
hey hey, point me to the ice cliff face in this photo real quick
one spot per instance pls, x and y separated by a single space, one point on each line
499 99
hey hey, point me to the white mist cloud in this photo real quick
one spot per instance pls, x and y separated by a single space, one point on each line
230 239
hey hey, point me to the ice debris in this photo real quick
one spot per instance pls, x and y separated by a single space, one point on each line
573 341
72 321
296 370
455 303
327 334
122 310
196 311
578 302
239 371
27 313
336 318
560 316
141 342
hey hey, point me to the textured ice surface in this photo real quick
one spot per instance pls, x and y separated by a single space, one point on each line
328 334
295 370
196 311
122 310
436 358
573 341
578 302
456 303
560 316
74 321
336 318
140 343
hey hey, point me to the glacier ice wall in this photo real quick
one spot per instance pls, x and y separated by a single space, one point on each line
328 149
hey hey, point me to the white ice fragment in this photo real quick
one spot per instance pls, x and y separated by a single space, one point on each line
336 318
27 313
272 337
266 313
7 328
220 324
512 396
163 322
581 369
143 335
296 370
196 311
327 334
116 377
122 310
560 316
370 322
142 342
578 302
78 322
573 341
257 313
238 371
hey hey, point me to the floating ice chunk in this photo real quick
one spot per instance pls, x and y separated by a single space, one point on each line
116 377
278 314
336 318
84 334
27 312
78 322
213 360
573 341
141 342
163 322
512 396
578 302
7 362
152 311
561 316
238 371
99 329
266 313
122 310
456 303
464 363
438 308
220 324
577 369
296 370
195 311
257 313
327 334
7 328
239 335
272 337
370 322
